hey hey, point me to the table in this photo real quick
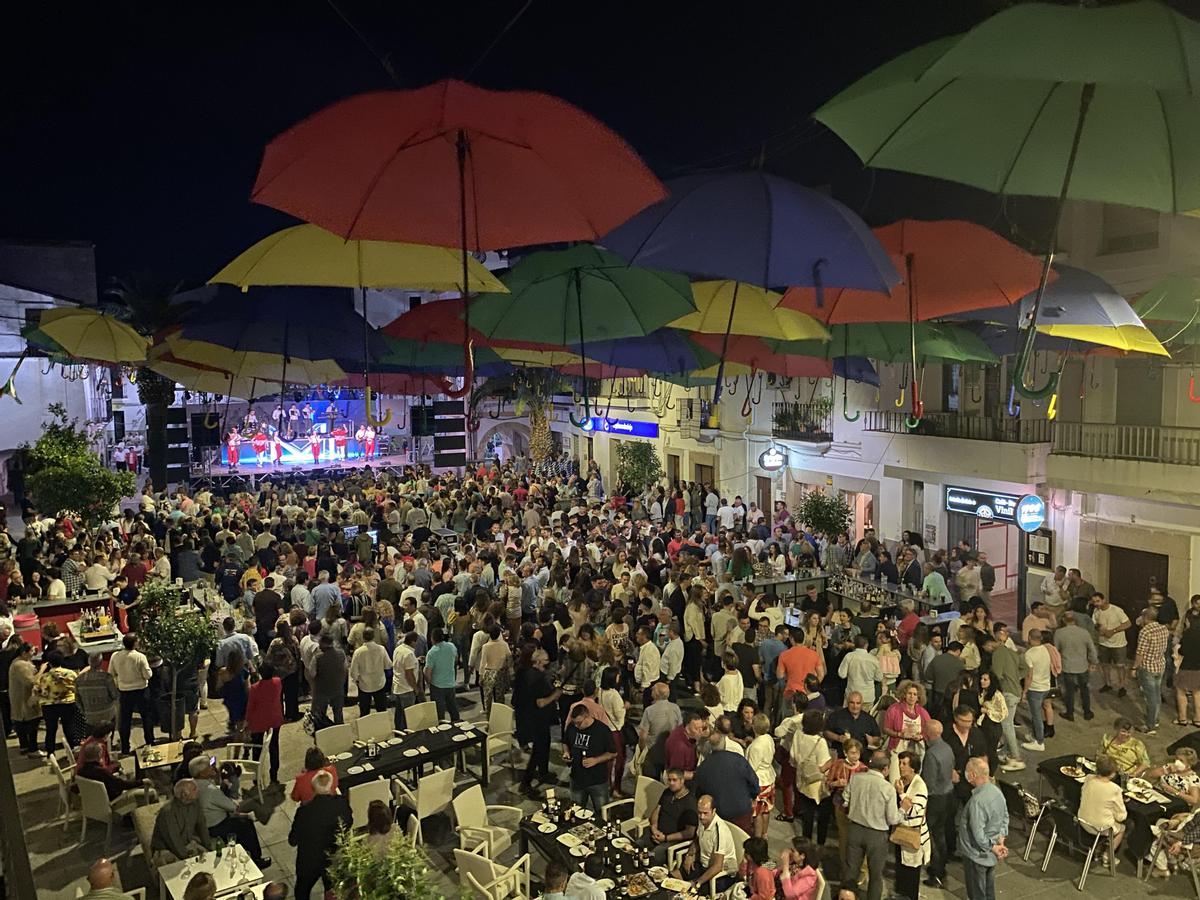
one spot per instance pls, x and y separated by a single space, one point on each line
392 760
172 755
791 588
1138 837
241 874
111 645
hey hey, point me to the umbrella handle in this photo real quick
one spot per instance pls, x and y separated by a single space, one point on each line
209 424
900 400
9 388
1052 409
1014 406
1192 390
845 407
371 420
918 405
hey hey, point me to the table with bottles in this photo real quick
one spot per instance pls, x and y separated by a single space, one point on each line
95 630
855 590
790 589
563 831
229 864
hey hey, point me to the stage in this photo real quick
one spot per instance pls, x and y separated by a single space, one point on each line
249 475
299 452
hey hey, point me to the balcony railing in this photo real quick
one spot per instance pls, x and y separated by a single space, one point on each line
809 422
1003 429
1153 443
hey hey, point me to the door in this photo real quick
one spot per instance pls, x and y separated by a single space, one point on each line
704 474
1129 574
960 527
762 486
672 469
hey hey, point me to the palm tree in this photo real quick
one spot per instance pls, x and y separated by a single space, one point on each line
144 301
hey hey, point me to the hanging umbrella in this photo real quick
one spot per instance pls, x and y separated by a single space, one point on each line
955 266
856 368
394 384
728 307
664 350
92 335
246 364
889 342
434 357
442 321
1172 309
759 356
580 295
453 165
756 229
1079 306
1043 100
205 380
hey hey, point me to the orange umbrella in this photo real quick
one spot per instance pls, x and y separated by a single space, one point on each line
754 352
953 266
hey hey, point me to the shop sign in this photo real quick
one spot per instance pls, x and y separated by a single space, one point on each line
626 427
988 505
1039 548
772 459
1031 513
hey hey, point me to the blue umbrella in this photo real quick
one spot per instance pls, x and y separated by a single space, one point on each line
755 228
855 368
662 350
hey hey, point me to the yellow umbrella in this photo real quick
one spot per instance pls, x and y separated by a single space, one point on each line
247 364
308 255
89 334
1130 338
208 381
755 312
522 356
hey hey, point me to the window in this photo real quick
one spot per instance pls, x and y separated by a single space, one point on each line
951 384
1127 229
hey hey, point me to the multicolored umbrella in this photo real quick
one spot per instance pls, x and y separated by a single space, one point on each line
759 356
92 335
729 308
662 350
889 342
199 378
1068 102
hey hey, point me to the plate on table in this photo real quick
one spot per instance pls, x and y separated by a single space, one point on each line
356 770
1139 785
673 884
639 885
1072 771
341 756
658 873
581 850
547 828
605 884
622 843
584 814
1085 763
461 737
412 752
392 742
569 840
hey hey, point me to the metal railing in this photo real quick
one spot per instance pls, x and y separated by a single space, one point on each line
1153 443
809 422
1001 429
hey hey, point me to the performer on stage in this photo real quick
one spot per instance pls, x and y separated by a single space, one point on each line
276 449
251 421
293 421
232 443
331 413
308 412
361 436
277 415
369 441
314 444
340 434
259 443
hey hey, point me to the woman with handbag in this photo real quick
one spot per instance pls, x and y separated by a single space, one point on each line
911 836
811 760
839 775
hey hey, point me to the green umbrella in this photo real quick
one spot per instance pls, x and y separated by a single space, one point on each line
580 295
1042 100
890 342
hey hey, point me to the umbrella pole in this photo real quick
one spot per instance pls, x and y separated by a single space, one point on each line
714 409
461 145
917 405
587 406
1023 358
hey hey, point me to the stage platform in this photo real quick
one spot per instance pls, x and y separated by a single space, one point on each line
249 475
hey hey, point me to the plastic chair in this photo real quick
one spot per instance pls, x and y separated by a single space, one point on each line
361 795
376 725
1158 848
1035 828
501 733
335 739
421 716
488 881
474 818
94 802
821 886
432 794
249 757
64 773
645 797
1069 829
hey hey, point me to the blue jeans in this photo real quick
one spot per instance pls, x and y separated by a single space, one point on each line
1010 728
1035 714
595 795
1152 691
981 881
711 522
403 702
446 701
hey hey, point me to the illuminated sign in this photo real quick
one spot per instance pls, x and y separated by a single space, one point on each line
772 459
625 427
1031 512
982 504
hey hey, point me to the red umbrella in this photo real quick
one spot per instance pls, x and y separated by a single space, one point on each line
442 321
954 267
754 352
396 384
451 164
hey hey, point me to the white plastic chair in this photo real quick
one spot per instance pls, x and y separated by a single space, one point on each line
821 886
501 733
432 794
94 802
249 757
361 795
335 739
645 797
487 881
63 772
475 822
421 716
377 726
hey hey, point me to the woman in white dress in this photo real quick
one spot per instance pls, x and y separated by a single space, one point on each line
761 756
913 797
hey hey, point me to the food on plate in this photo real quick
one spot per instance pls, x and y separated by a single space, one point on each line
1072 771
638 885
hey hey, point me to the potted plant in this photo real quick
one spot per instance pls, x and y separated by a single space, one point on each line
826 513
180 635
638 466
358 872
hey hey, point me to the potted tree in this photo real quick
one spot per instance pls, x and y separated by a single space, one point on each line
360 873
638 466
180 635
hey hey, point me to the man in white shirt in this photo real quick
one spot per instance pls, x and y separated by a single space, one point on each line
406 674
1037 686
672 655
648 667
368 668
1054 589
420 623
724 620
861 671
300 596
712 854
725 514
131 670
711 504
1111 625
582 885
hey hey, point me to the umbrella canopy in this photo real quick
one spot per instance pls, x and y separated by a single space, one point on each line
1083 307
209 381
997 107
755 353
394 384
729 307
890 342
1175 300
433 357
953 266
308 255
441 321
90 334
755 228
246 364
856 368
388 165
664 350
583 294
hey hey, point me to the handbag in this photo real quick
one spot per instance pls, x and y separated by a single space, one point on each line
906 837
810 772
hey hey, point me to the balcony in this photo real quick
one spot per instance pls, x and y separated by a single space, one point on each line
997 429
810 423
1143 443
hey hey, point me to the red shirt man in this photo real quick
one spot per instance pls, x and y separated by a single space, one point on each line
259 443
797 663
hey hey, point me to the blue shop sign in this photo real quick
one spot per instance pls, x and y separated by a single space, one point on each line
1031 512
622 427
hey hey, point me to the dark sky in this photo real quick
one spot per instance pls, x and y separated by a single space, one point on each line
139 126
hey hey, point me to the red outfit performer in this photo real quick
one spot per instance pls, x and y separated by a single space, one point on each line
277 449
369 442
232 443
314 444
339 441
259 443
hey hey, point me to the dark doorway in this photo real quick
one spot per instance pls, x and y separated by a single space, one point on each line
1129 574
960 527
704 474
672 469
763 486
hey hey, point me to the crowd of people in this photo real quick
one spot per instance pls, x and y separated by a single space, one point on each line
625 628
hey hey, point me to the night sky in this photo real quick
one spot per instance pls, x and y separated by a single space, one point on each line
140 126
